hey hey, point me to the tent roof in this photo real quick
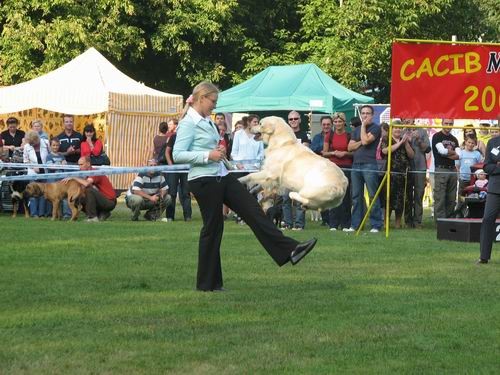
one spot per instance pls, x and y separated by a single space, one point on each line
303 87
80 87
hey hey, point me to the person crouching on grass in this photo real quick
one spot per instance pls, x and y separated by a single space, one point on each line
148 192
197 144
100 196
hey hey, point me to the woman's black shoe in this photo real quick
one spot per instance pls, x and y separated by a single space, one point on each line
302 250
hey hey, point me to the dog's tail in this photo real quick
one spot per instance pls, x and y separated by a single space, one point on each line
80 198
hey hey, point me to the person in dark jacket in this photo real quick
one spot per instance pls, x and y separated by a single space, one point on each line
492 208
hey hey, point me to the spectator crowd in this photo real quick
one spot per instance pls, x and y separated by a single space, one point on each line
360 149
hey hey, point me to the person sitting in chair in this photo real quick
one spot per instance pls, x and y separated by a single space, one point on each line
481 180
148 192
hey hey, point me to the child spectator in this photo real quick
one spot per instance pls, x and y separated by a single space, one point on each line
56 158
467 157
481 181
470 132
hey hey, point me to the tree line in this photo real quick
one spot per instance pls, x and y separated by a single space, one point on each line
173 44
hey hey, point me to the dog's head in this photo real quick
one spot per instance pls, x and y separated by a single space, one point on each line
275 131
18 190
34 189
19 186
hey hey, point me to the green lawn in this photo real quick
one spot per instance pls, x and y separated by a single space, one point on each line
118 298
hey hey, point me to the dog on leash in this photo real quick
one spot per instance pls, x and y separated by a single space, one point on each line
18 196
17 192
55 192
314 181
275 212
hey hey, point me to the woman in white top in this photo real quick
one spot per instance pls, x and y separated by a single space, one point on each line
245 147
35 151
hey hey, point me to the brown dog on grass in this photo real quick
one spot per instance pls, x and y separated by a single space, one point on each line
55 192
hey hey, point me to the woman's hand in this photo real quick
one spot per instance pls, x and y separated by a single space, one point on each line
222 149
216 155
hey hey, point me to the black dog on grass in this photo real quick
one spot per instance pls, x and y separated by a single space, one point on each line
17 194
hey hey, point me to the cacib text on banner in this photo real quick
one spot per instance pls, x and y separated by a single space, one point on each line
459 81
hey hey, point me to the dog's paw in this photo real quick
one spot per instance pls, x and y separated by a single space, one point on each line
244 180
255 189
299 198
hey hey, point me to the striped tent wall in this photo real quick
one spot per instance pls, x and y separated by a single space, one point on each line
132 122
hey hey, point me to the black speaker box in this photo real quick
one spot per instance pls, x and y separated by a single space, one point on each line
464 230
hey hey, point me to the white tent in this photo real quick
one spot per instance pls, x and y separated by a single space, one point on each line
80 87
90 84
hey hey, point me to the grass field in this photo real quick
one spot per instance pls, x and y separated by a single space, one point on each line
118 298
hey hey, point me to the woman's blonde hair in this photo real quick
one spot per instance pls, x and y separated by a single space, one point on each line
340 115
36 121
202 89
32 137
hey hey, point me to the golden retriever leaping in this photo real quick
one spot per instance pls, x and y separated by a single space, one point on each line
314 181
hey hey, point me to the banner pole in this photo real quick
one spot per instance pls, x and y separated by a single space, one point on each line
372 202
388 184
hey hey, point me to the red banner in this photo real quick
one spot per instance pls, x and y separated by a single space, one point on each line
445 81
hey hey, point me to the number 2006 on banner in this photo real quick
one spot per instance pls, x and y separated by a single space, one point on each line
486 99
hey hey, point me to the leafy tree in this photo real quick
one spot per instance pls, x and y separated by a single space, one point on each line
173 44
170 43
189 40
40 35
218 40
352 42
270 30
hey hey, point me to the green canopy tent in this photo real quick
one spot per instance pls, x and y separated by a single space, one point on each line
303 87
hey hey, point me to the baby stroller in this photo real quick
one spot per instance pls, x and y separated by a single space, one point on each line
474 196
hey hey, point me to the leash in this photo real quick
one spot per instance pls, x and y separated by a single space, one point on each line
75 172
